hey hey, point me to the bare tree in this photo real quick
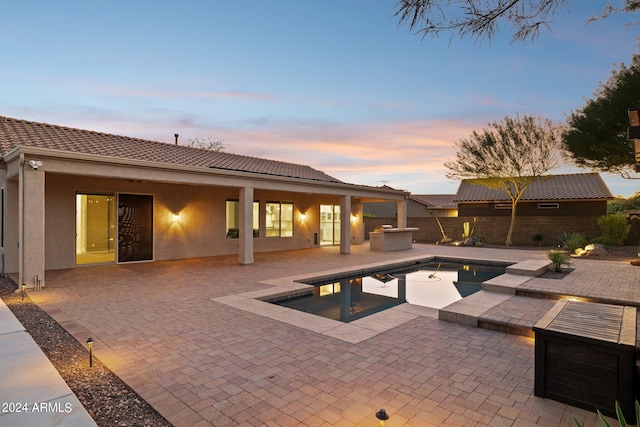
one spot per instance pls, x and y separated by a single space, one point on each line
480 19
509 156
208 143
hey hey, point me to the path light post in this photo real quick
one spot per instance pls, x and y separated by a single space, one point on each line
90 345
382 416
23 291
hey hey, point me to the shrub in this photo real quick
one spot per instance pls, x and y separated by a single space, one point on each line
574 241
614 228
558 259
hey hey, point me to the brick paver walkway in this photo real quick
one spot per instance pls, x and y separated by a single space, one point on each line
200 362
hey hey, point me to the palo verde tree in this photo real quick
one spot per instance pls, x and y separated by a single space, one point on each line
596 134
480 19
509 155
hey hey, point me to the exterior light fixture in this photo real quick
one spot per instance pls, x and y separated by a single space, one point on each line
35 164
354 218
23 291
382 416
303 216
90 345
176 217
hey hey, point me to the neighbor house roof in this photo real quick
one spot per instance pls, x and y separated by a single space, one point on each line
436 201
15 133
582 186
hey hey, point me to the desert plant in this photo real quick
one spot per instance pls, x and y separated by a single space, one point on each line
538 238
614 228
575 241
558 259
619 415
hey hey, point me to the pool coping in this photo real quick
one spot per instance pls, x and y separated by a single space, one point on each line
353 332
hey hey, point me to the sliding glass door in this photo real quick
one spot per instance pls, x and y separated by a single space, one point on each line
329 224
95 229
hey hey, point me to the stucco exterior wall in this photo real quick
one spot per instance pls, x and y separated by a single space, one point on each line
201 230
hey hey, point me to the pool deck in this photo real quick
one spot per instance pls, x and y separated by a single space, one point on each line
193 338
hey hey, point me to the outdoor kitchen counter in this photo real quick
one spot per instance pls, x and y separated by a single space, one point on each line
391 239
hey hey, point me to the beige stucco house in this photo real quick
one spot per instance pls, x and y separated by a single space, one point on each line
74 197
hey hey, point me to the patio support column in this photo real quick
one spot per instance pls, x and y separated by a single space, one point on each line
31 241
402 213
245 214
345 224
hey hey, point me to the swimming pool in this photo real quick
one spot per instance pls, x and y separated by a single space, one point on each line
434 284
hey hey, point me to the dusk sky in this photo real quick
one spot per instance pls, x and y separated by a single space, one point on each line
336 85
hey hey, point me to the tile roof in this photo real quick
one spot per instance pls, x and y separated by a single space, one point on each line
15 132
581 186
436 200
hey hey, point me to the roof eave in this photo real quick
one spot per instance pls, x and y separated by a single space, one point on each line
71 155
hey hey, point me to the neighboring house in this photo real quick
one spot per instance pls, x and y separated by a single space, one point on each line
550 207
418 206
583 194
440 205
74 197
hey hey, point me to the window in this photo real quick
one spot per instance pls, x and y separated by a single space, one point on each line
279 219
233 219
548 205
502 206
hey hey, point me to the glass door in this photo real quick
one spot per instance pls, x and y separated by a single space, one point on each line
135 227
329 224
95 229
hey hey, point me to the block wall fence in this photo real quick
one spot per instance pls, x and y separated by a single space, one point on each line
493 230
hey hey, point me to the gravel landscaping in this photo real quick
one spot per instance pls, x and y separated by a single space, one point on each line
108 400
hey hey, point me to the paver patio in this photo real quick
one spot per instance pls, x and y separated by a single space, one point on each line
168 330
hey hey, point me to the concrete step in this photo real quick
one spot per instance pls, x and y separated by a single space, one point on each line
505 283
530 267
467 310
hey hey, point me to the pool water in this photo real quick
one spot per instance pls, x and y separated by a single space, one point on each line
434 284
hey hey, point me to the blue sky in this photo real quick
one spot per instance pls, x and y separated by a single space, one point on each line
336 84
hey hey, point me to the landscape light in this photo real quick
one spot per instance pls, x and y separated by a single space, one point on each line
23 290
382 416
90 345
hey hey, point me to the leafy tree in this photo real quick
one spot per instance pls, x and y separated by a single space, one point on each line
596 136
621 204
508 156
480 19
207 144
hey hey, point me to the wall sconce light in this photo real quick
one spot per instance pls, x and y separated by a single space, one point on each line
382 416
90 345
354 218
176 217
303 216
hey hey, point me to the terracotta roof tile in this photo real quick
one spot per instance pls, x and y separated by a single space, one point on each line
436 200
581 186
15 132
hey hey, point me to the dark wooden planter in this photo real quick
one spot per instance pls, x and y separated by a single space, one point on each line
585 356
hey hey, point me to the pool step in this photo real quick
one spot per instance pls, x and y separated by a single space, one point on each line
530 267
467 310
470 310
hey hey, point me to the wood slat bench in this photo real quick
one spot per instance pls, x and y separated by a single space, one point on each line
585 356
